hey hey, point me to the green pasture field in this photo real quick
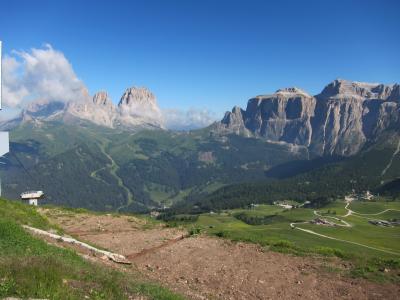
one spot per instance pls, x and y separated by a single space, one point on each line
371 207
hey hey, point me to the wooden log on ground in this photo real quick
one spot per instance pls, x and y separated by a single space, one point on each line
118 258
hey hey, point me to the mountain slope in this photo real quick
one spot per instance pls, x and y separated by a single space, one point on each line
106 169
318 181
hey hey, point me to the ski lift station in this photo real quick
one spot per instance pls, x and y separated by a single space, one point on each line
32 197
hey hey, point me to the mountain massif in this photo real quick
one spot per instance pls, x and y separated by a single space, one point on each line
289 144
339 121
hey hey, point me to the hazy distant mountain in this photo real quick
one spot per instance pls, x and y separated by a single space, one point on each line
338 121
137 109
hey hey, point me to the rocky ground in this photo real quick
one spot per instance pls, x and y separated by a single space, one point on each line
203 267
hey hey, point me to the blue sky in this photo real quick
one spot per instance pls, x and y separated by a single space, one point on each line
211 54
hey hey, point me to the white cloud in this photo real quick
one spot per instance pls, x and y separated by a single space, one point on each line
39 74
13 91
192 118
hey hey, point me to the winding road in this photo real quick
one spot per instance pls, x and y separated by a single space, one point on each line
113 168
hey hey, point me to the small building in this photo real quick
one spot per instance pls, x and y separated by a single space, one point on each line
32 197
154 214
381 223
320 221
349 198
253 206
368 196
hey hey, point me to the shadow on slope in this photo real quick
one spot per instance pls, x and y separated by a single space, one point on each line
293 168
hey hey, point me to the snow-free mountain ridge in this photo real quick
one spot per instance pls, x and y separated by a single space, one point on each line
137 109
339 121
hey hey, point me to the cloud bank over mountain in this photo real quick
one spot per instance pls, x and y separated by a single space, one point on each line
177 119
42 73
45 74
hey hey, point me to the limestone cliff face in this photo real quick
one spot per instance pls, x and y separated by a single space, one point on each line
338 121
283 116
348 114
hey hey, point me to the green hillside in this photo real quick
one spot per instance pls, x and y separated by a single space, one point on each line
322 180
102 169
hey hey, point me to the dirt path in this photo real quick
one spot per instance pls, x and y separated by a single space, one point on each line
128 234
349 211
155 248
210 268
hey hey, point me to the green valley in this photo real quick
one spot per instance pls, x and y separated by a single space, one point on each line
131 171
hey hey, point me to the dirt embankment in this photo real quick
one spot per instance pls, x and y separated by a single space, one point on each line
211 268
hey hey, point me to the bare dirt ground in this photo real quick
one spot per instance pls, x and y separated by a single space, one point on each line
210 268
128 234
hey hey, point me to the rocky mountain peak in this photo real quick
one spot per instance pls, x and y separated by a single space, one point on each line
43 109
138 96
102 98
233 122
235 116
395 93
139 105
237 110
